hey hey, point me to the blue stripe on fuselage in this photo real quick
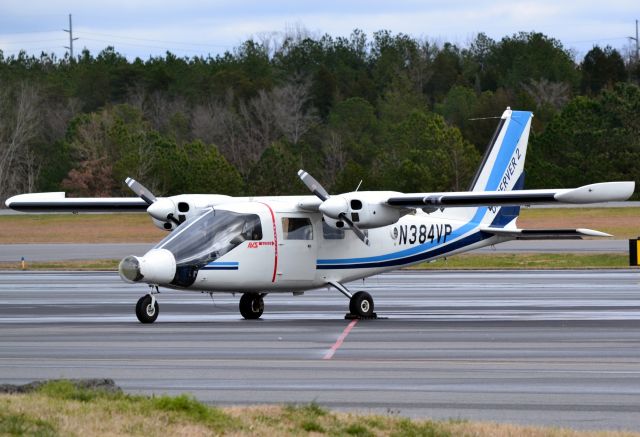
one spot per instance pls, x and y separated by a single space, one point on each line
221 265
374 261
434 252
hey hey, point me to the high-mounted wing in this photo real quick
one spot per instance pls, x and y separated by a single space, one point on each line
167 212
58 202
603 192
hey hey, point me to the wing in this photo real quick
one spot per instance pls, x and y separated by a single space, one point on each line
58 202
603 192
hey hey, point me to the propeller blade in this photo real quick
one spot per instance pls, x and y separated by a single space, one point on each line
313 185
361 235
142 191
323 195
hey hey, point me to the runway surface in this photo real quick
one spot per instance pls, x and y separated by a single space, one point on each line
537 347
62 252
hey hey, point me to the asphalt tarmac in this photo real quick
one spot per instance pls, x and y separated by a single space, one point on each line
555 348
63 252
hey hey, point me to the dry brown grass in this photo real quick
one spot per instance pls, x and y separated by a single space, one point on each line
81 228
622 223
509 430
137 228
74 265
99 418
68 413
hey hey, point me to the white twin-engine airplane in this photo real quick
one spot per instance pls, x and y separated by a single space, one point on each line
289 244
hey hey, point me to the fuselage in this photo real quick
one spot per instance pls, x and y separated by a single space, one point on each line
298 251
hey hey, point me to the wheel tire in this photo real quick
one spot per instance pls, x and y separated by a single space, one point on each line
251 306
361 304
145 312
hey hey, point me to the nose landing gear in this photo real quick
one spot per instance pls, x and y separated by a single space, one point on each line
147 309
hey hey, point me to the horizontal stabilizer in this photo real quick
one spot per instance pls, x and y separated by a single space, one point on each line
545 234
57 202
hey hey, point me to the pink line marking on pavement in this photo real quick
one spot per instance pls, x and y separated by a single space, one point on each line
340 340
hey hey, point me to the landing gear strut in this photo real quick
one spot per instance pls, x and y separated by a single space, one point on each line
251 305
147 309
360 304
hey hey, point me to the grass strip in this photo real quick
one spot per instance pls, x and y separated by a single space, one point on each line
72 265
79 228
61 408
529 261
622 223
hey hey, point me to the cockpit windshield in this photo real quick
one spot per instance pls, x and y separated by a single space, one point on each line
206 238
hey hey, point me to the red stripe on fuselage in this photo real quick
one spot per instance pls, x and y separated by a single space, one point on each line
275 239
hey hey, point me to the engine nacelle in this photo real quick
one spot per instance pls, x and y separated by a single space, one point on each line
182 208
363 208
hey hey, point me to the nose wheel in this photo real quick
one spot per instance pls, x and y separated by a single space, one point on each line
147 309
251 305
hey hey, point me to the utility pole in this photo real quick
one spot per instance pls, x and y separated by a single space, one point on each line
637 45
72 39
637 48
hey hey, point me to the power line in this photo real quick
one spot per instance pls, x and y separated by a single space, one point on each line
156 40
595 40
32 41
29 31
140 45
18 51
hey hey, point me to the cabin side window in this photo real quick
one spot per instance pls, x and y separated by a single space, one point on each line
297 228
252 229
331 233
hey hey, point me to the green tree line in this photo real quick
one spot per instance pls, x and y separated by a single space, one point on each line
390 110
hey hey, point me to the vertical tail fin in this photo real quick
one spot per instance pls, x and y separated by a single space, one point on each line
502 167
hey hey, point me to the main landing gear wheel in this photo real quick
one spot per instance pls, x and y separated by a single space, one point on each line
251 306
361 304
147 309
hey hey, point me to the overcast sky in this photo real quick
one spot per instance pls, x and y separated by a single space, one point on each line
197 27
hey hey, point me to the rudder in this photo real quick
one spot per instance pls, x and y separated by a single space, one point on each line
503 162
502 167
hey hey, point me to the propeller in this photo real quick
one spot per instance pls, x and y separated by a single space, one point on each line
159 208
143 192
333 207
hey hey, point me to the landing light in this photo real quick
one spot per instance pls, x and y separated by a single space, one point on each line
129 269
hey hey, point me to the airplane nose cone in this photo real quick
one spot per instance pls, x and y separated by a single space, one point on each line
158 266
129 269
